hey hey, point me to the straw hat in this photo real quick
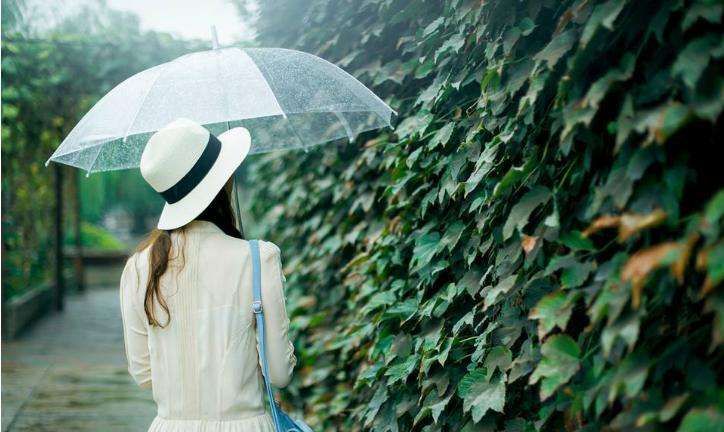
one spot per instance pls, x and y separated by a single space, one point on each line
187 165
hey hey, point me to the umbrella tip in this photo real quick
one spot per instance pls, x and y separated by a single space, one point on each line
214 38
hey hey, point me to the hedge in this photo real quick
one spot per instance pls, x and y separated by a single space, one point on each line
536 246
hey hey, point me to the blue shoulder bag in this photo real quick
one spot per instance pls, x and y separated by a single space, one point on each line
282 421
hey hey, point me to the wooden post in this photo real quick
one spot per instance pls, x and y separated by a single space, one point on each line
78 258
59 283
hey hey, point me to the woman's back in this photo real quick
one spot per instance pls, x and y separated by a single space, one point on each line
203 365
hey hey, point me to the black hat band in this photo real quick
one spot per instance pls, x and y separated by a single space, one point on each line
197 172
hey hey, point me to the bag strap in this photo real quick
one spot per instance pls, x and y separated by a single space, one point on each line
256 307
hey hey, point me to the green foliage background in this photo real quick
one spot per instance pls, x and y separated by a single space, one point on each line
48 83
538 244
93 236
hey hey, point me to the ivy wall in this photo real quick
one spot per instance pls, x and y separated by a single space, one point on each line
537 245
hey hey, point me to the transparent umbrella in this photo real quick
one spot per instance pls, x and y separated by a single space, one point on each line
285 98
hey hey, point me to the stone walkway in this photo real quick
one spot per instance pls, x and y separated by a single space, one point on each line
68 373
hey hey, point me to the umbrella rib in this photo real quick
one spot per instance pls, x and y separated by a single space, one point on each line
223 92
345 125
355 80
100 143
301 141
265 74
345 82
145 96
90 168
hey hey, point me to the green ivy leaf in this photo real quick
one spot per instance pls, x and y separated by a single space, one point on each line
603 15
710 11
426 246
452 235
425 68
692 61
715 305
400 371
527 26
379 398
600 88
403 310
383 298
369 374
467 319
512 177
524 363
433 26
574 275
414 126
629 376
561 360
471 282
556 48
576 241
482 392
553 310
520 212
672 406
703 420
439 407
442 136
499 357
491 294
454 43
715 208
482 167
715 264
627 329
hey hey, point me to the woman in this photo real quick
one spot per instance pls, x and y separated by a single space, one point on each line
186 293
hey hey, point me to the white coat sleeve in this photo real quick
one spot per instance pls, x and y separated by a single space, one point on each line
135 328
280 350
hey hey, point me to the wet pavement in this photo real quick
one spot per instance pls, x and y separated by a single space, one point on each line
68 372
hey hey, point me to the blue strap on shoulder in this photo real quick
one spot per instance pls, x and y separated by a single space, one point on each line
256 307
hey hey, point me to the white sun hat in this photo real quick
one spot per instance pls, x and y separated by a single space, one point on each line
187 165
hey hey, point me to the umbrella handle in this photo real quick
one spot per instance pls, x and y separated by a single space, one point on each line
214 38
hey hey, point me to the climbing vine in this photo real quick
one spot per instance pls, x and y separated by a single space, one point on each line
536 246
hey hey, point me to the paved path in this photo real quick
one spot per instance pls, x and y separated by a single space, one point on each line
68 373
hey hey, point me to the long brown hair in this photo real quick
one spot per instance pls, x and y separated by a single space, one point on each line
218 212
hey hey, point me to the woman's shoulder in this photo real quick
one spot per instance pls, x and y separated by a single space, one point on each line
268 248
136 260
140 255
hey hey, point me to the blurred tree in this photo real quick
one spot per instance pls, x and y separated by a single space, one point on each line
48 83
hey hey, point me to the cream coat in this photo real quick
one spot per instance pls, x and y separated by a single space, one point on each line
203 367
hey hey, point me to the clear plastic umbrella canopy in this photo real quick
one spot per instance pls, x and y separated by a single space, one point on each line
287 99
